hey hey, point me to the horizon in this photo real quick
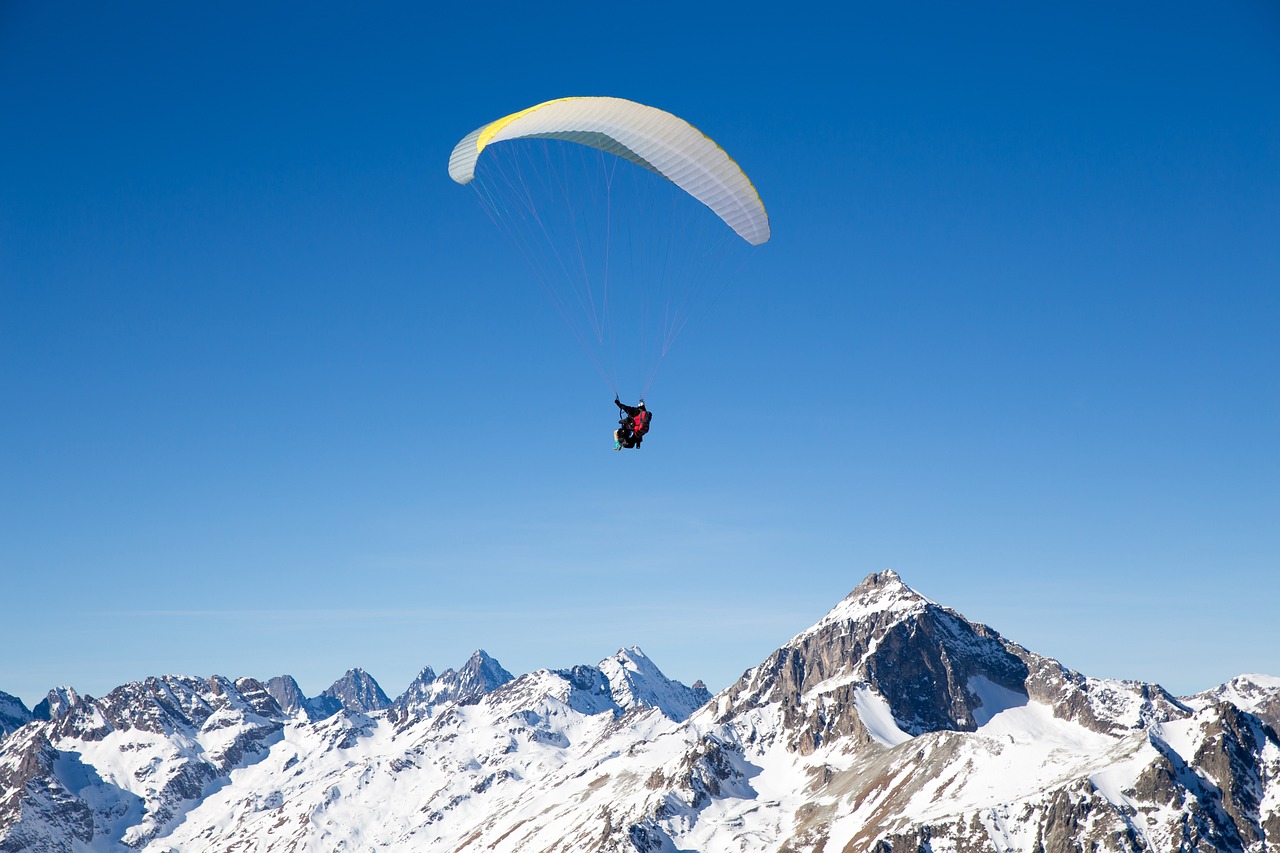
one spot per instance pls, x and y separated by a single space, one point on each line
279 397
312 693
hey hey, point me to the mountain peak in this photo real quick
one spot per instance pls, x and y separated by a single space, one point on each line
880 593
480 675
632 655
358 691
885 586
925 662
288 695
57 704
1258 694
13 714
811 750
635 681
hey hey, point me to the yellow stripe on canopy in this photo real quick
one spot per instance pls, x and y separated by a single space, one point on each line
645 135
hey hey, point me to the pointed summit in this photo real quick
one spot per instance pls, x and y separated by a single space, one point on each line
57 703
480 675
633 658
636 682
419 690
887 581
357 691
889 651
880 595
287 693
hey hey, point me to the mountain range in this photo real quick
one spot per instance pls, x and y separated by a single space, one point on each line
893 724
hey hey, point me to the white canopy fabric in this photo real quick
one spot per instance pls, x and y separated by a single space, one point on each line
647 136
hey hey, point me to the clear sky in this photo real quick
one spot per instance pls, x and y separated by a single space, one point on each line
272 398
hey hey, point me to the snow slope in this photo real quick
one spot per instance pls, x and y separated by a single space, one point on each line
892 724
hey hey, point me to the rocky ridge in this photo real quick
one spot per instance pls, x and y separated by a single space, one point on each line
13 714
481 674
893 724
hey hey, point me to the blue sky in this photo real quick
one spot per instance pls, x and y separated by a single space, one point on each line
260 359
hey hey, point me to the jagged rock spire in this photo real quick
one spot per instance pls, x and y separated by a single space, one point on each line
358 691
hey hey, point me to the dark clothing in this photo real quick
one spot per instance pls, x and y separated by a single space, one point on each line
634 424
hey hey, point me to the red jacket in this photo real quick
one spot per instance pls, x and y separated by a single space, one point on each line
639 418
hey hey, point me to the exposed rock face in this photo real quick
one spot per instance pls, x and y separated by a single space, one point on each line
923 659
479 676
1257 694
173 739
898 682
288 695
358 692
37 812
1111 707
13 714
1232 758
419 693
57 703
893 724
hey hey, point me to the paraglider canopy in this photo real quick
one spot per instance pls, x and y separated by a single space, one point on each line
627 215
647 136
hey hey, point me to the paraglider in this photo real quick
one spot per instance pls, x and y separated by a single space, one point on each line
632 426
628 215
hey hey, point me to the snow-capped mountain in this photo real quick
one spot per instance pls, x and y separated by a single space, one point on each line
288 695
56 703
635 682
1257 694
356 691
893 724
481 674
117 772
